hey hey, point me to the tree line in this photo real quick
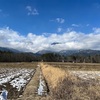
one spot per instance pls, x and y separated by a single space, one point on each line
52 57
17 57
48 57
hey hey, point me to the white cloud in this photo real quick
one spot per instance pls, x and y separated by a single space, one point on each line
60 20
75 25
32 11
96 30
32 42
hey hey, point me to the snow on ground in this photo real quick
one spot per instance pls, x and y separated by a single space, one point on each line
22 80
3 95
17 77
42 86
86 75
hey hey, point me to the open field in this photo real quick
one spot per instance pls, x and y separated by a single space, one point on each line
76 66
14 77
50 81
67 82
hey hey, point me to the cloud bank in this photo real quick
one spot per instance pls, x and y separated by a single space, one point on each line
33 43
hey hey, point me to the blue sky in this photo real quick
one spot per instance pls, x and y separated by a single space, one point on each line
44 18
83 13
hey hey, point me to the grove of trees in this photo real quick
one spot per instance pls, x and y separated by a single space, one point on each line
48 57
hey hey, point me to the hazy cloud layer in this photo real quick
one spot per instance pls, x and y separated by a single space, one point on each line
32 42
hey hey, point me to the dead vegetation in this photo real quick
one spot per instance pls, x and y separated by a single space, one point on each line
19 65
76 66
62 83
65 86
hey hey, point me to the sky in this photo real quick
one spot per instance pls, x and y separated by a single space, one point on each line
35 25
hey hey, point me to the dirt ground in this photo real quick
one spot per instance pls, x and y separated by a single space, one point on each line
61 81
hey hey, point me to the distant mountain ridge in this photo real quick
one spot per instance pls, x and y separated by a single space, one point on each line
9 50
62 52
72 52
44 52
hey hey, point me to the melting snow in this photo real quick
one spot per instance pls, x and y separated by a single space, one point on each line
41 86
3 95
22 80
87 74
17 77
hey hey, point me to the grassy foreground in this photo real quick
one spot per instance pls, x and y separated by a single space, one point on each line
65 86
62 84
19 65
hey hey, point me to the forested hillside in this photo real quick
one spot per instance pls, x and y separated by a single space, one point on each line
49 57
17 57
7 56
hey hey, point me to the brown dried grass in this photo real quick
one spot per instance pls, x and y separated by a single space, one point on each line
19 65
64 86
53 75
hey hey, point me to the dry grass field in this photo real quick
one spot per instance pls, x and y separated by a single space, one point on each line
19 65
52 81
68 81
76 66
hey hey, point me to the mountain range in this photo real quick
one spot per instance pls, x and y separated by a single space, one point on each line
62 52
72 52
9 50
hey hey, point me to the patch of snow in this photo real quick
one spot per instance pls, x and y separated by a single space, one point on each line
1 98
3 95
17 77
41 86
18 83
7 79
22 80
86 74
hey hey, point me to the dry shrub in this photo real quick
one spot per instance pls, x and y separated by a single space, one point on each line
70 89
52 74
64 86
